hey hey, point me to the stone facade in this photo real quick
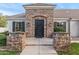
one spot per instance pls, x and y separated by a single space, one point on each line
16 41
61 41
35 13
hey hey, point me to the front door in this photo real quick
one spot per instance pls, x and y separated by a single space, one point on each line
39 28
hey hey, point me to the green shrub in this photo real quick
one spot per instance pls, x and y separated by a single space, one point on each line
59 29
2 39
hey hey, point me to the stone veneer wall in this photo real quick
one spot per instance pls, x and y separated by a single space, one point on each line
61 41
16 41
46 14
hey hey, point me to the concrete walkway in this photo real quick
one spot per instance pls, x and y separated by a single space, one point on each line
39 46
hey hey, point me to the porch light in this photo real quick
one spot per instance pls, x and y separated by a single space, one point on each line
62 23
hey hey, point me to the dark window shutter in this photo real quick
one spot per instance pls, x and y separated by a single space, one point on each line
20 26
13 26
23 26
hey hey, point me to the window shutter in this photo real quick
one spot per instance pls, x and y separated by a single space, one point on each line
13 26
23 26
20 26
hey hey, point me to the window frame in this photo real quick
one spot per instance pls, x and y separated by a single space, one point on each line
59 25
19 25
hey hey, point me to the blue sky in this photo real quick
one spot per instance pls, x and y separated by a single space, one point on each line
16 8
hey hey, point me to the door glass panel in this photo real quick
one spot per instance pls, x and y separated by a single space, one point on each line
39 28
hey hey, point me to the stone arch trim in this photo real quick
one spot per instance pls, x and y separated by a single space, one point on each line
42 16
48 26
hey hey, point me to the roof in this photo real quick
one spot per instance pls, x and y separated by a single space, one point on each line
22 15
58 13
66 13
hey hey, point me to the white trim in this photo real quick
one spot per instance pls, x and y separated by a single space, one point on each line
61 18
15 18
73 19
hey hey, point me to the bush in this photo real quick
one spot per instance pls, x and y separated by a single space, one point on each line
59 29
2 39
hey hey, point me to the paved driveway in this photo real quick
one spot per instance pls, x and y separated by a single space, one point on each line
39 46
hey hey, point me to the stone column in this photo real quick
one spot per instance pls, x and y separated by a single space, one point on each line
15 41
61 41
49 26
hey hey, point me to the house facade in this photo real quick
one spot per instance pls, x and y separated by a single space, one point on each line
41 20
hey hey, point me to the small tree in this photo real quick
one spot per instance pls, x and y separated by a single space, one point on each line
3 21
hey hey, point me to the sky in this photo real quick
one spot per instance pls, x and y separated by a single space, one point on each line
17 8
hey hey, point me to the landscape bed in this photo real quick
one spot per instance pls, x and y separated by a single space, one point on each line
74 50
9 52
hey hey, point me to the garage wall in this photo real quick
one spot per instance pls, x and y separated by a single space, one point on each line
74 28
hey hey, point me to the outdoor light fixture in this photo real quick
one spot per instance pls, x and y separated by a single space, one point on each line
62 23
28 24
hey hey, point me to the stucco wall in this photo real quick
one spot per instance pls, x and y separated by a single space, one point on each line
74 28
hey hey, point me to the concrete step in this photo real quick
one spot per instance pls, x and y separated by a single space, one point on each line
38 50
37 41
39 46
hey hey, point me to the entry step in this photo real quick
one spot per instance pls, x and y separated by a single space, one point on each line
39 41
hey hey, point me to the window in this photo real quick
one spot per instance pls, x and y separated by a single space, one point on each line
59 26
18 26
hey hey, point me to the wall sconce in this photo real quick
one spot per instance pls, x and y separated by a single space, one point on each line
28 24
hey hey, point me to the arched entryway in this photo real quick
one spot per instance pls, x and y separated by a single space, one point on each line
40 26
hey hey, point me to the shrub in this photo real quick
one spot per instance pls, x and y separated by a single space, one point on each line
59 29
2 39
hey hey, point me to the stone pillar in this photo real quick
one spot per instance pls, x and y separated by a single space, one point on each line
61 41
15 41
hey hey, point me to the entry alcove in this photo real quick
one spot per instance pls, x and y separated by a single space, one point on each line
39 24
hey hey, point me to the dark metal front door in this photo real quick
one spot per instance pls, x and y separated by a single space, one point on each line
39 28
